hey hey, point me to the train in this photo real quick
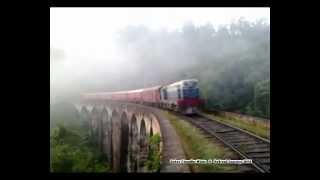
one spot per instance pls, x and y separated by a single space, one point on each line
182 96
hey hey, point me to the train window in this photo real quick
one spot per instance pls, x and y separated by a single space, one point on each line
179 92
165 94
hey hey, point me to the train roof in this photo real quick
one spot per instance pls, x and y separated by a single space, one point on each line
178 82
142 89
128 91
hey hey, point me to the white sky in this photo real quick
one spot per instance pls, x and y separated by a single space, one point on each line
88 32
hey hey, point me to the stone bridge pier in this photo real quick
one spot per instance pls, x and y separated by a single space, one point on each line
123 131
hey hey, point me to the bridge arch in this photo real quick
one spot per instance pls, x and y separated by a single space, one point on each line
124 142
116 140
154 124
151 130
84 114
134 147
143 132
148 123
143 145
106 133
94 119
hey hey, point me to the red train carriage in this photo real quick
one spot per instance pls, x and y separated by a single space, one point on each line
119 96
151 96
134 96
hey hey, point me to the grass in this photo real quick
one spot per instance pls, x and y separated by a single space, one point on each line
255 127
197 146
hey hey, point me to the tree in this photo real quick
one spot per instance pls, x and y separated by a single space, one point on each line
262 97
72 150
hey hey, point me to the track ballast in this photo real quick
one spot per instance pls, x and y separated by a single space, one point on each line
246 144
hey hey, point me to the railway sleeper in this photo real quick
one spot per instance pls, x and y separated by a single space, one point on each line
219 129
237 138
262 160
258 154
258 150
225 130
217 126
241 141
265 167
245 143
209 125
235 133
238 142
252 146
214 124
247 169
257 141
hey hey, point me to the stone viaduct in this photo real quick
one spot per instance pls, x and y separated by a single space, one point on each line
123 131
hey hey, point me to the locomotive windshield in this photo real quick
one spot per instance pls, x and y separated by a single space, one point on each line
190 84
190 89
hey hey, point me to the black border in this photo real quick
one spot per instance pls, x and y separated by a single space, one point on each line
233 3
216 3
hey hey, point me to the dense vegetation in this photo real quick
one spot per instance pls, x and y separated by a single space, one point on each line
72 147
153 161
232 62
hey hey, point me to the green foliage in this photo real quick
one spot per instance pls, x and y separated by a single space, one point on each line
262 98
153 161
73 147
72 151
260 105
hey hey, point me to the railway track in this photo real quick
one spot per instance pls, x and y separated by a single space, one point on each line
246 144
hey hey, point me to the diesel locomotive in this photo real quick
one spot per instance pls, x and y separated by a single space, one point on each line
182 96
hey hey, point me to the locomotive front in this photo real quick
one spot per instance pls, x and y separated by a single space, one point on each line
182 96
190 96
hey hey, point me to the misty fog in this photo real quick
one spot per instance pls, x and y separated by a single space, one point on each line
228 59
